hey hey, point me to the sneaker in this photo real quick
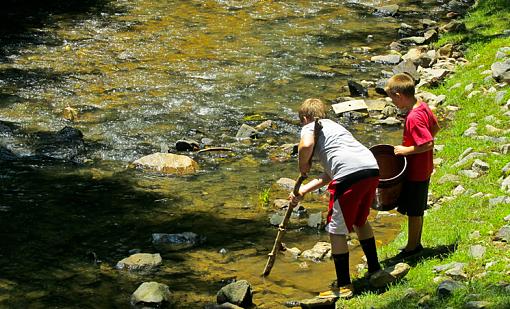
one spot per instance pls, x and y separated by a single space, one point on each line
342 292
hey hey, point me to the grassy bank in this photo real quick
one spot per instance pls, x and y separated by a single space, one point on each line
455 223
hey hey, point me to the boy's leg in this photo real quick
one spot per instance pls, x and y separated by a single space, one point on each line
367 241
414 227
340 254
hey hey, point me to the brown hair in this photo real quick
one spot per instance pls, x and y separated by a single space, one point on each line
400 83
311 109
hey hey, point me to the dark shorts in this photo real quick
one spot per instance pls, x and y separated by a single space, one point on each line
413 198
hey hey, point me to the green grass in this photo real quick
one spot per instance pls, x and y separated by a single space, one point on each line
455 222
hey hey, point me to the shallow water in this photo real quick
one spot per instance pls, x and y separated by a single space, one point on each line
143 74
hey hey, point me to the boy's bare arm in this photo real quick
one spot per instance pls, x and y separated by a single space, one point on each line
305 149
409 150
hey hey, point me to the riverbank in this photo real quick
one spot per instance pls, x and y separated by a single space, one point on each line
466 263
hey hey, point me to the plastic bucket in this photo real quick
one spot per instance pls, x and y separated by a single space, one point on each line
392 170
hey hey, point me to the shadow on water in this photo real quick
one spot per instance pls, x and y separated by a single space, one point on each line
19 20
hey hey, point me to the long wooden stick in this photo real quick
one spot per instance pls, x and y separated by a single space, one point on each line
283 225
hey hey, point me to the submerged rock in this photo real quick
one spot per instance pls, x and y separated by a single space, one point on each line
177 241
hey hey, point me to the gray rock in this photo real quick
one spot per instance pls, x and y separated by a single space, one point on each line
468 158
416 40
469 174
388 10
500 95
466 152
151 294
506 169
480 166
447 287
387 59
477 304
499 200
504 149
477 251
140 262
505 184
246 131
507 218
238 293
503 234
318 252
501 71
458 190
318 302
389 121
449 178
286 183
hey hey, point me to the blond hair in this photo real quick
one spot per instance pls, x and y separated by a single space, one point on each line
311 109
400 83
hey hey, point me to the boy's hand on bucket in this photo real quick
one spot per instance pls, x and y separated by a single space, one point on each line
400 150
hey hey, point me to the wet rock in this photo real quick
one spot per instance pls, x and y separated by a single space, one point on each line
7 155
317 302
168 163
66 144
388 10
315 220
186 145
477 304
265 125
389 110
447 288
386 59
408 67
177 241
391 121
477 251
318 252
503 234
246 131
222 306
356 89
238 293
151 294
414 40
140 262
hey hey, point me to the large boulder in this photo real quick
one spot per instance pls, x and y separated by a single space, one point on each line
168 163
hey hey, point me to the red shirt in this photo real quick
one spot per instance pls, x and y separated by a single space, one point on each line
418 131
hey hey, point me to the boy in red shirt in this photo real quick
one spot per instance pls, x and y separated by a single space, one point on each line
417 145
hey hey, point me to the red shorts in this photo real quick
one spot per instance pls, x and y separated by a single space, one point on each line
350 206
